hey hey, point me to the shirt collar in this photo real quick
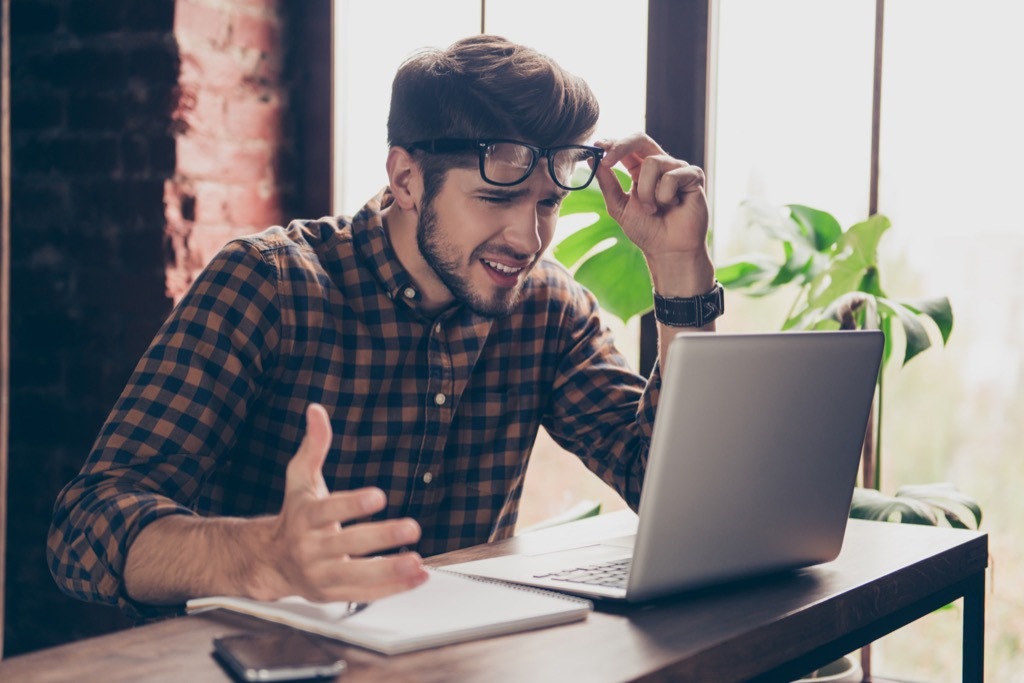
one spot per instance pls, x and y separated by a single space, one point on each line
373 246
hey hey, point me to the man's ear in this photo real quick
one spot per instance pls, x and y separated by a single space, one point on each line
405 178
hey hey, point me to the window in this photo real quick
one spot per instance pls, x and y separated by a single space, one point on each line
793 123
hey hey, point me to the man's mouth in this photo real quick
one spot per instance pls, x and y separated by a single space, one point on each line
502 268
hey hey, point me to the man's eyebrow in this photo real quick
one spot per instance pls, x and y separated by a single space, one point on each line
518 191
507 192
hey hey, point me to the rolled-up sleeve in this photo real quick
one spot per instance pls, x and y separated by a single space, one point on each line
601 410
177 415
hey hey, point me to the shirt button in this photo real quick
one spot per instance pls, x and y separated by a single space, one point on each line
439 399
427 477
409 293
437 328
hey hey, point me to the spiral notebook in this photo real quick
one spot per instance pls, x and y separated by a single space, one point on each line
448 608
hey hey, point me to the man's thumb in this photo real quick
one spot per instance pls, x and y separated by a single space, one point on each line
305 471
615 199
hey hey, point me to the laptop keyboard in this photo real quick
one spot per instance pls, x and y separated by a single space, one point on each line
612 574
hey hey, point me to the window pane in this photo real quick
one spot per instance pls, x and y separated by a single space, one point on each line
571 32
951 179
793 113
793 125
366 58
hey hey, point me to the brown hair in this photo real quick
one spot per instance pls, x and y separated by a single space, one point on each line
487 86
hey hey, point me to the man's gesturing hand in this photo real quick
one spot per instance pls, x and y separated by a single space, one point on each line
317 553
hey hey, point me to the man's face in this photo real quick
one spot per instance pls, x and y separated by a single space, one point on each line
482 240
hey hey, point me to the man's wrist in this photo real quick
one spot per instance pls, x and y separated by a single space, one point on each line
680 275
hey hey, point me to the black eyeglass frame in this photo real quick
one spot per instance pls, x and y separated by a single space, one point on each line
449 145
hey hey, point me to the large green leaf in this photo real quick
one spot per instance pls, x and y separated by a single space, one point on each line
606 262
856 257
876 506
918 504
939 310
619 278
821 226
913 328
577 245
744 274
959 509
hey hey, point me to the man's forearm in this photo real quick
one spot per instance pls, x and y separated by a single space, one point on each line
180 557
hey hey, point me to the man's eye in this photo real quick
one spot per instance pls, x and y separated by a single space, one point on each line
551 203
487 199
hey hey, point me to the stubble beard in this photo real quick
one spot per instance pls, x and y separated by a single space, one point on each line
443 258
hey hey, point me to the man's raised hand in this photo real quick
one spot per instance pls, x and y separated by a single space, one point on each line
319 549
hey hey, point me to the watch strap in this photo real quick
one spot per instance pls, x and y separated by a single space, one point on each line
693 311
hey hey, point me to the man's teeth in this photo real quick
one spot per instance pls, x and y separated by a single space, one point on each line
508 270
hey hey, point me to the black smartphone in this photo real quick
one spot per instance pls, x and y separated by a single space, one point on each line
276 656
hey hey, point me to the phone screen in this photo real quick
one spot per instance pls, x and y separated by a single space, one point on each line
278 656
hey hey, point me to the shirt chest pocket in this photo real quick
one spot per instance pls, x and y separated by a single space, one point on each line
479 409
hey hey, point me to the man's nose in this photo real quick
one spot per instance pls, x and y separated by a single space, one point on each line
523 231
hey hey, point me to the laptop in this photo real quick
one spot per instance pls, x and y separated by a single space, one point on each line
751 469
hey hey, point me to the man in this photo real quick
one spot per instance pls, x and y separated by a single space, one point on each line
335 399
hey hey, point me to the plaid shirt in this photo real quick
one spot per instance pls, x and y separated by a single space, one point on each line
441 412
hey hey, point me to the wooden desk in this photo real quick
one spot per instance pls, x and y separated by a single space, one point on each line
768 630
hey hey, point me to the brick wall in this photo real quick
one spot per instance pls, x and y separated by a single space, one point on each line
231 136
144 134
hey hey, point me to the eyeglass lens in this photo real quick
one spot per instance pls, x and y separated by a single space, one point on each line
509 163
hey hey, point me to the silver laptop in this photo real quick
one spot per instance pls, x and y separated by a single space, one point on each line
751 469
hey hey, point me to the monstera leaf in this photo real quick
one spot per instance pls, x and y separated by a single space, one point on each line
602 258
928 504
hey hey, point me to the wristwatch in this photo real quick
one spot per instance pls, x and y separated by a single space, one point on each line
693 311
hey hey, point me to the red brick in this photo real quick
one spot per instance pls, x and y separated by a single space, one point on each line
216 70
207 113
212 200
79 68
256 32
254 117
196 24
255 206
203 158
36 112
30 18
88 17
157 63
266 70
151 15
176 191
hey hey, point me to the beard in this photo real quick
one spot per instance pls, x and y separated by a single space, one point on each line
444 259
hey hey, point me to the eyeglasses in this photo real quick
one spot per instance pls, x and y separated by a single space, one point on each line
509 162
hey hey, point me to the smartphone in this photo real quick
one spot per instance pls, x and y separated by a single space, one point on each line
276 656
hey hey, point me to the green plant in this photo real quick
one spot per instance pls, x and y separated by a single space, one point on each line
835 273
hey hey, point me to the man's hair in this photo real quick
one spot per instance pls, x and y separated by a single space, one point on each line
486 87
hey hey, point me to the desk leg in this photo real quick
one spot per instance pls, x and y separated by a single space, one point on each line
974 630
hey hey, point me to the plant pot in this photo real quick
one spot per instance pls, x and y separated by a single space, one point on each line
844 670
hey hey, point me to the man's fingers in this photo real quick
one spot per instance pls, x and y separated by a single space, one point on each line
305 470
630 150
344 506
371 538
365 580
